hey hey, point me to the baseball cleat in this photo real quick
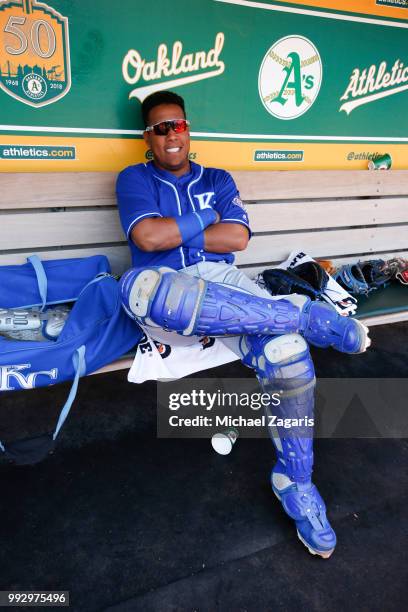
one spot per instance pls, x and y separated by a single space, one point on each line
304 504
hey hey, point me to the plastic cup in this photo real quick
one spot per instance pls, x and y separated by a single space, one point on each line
223 442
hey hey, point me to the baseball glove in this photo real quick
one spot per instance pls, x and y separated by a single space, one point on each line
314 274
307 279
363 277
397 268
402 277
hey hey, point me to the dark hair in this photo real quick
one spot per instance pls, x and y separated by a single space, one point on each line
160 97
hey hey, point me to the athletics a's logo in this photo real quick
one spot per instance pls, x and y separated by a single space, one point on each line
290 77
34 52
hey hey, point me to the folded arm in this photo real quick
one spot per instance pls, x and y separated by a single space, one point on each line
162 234
225 238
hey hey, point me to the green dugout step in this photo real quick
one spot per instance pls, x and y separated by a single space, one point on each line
391 299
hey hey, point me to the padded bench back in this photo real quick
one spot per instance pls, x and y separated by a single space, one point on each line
342 215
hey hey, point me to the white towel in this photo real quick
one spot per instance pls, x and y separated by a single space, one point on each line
171 356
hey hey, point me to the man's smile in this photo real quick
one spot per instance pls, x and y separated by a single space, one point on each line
173 150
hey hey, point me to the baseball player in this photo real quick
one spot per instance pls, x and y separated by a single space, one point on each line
183 222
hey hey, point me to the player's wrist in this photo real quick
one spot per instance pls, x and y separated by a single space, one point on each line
197 242
194 223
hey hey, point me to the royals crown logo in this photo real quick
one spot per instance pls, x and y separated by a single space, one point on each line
34 52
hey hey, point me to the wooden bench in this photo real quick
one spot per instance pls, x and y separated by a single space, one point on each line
340 215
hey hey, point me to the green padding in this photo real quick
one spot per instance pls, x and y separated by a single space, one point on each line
393 298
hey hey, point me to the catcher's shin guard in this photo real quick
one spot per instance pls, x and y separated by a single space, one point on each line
191 306
284 364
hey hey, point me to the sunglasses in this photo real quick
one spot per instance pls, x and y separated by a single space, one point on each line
163 127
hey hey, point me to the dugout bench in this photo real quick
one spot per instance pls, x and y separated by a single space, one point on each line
338 215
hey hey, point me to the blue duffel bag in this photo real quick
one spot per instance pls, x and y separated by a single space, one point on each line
96 332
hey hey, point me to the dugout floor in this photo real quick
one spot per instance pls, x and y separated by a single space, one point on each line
128 522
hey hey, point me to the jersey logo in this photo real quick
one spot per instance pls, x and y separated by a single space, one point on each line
164 349
207 342
238 202
8 372
204 199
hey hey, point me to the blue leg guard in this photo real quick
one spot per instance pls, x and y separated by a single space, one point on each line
284 364
324 327
191 306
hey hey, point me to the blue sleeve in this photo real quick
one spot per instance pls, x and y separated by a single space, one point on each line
136 200
228 203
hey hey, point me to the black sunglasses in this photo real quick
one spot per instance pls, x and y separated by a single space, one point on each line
163 127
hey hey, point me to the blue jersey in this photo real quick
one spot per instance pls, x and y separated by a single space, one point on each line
145 191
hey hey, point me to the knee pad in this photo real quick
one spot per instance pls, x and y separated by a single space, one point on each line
282 362
191 306
162 297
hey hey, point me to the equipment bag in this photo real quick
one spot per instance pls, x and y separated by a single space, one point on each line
40 283
97 332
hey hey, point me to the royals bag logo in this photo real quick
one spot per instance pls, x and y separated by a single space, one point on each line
34 52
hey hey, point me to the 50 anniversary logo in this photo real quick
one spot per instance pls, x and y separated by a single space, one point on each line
34 52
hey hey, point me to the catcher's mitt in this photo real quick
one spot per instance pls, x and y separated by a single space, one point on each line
307 279
314 274
363 277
